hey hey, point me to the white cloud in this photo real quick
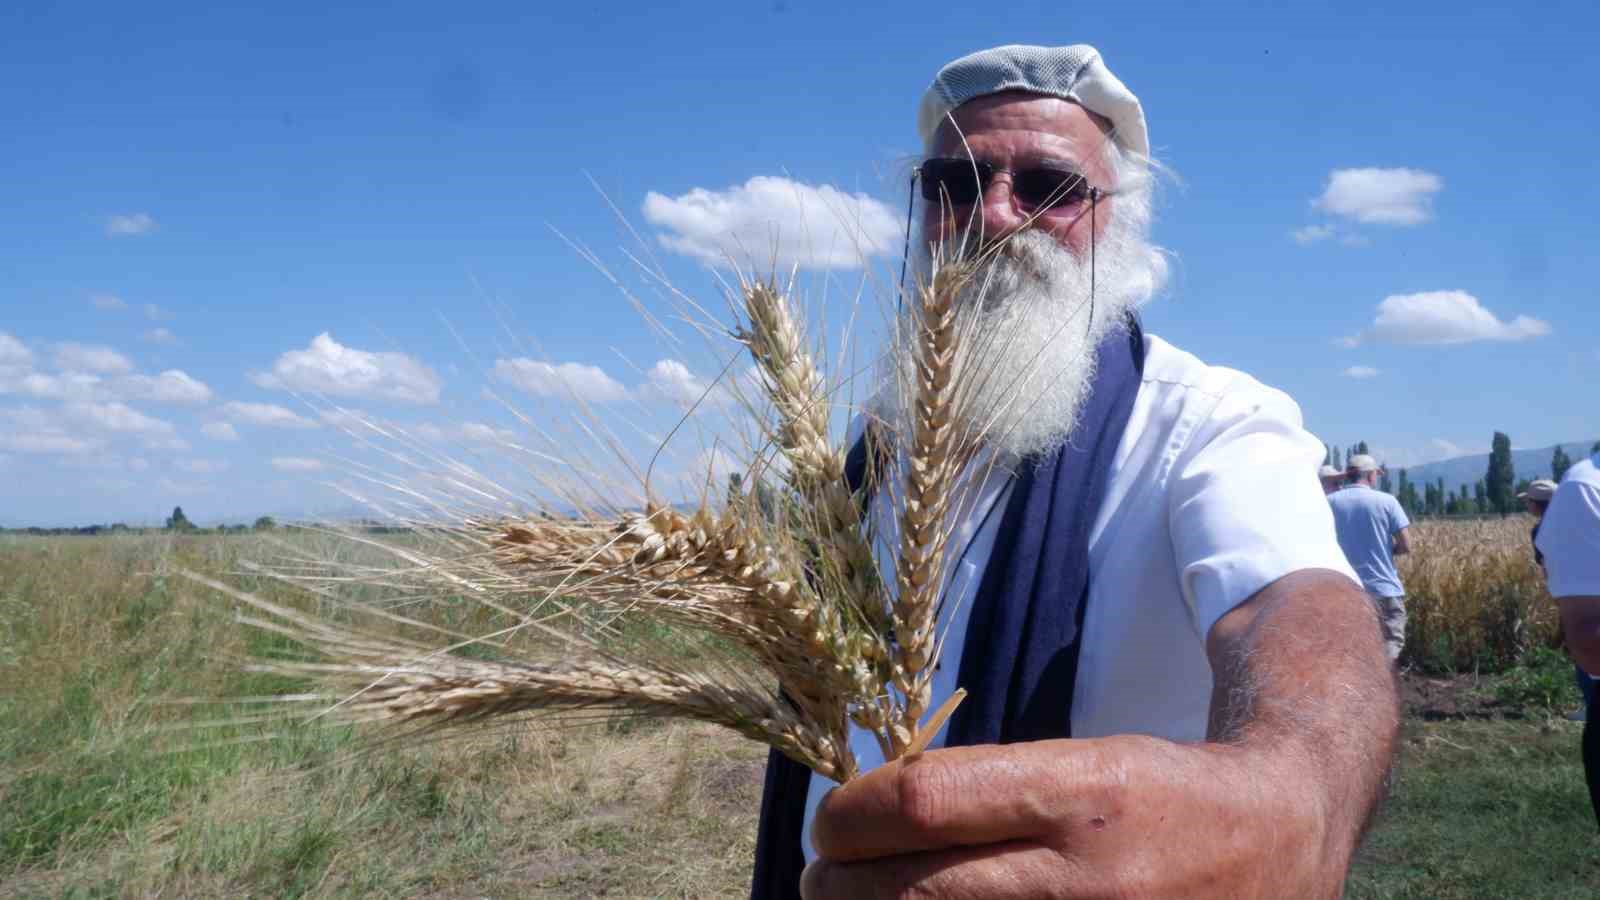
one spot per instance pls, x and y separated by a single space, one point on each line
1360 372
296 464
28 429
219 431
67 386
201 466
170 387
1380 196
328 367
107 302
773 221
268 414
79 428
479 433
158 336
120 418
567 380
1311 234
130 224
1443 317
671 380
73 357
155 313
1444 449
169 485
15 357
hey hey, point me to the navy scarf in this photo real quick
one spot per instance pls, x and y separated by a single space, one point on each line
1020 659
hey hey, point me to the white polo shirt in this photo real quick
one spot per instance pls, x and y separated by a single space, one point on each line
1212 496
1569 534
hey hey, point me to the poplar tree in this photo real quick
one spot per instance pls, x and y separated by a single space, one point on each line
1500 478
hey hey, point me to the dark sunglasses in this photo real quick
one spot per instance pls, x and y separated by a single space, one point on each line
960 182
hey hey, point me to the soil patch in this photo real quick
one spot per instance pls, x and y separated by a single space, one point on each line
1454 697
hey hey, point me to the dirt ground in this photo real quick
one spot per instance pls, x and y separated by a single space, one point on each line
1453 698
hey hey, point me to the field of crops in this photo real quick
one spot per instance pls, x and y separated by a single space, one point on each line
109 789
1476 599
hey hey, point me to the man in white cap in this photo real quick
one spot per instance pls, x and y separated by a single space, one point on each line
1176 686
1332 479
1373 529
1569 539
1536 499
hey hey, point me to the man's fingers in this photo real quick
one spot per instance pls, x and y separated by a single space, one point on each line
962 796
998 871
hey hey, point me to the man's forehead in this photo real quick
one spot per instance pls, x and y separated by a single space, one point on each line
1028 124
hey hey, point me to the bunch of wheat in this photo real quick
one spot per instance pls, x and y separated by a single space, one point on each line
763 611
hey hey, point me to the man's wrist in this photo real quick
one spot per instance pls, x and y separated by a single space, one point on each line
1310 835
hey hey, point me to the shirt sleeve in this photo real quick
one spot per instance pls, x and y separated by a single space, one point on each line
1569 538
1397 516
1242 510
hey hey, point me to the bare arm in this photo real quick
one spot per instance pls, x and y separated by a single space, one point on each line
1402 541
1302 678
1580 619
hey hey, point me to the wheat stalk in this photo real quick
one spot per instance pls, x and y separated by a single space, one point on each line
798 393
795 636
930 471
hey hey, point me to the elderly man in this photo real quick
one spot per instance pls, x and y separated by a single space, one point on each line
1373 529
1569 539
1176 686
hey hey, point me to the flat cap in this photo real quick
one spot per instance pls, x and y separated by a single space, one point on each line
1075 73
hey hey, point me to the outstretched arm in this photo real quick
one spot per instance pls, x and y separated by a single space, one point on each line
1302 678
1303 726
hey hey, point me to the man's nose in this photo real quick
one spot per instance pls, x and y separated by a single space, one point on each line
997 211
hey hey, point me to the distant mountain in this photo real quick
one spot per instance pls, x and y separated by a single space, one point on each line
1466 470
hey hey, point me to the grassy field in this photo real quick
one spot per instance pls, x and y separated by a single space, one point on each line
106 790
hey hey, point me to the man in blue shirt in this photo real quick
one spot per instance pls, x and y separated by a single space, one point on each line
1373 530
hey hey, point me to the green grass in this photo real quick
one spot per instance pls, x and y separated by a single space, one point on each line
1484 809
106 790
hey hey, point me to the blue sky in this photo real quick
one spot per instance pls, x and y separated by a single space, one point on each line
195 195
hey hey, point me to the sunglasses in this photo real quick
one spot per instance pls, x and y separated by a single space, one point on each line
960 182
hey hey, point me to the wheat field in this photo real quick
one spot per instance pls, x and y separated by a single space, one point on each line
1475 598
110 789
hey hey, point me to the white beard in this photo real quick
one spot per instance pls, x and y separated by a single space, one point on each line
1030 362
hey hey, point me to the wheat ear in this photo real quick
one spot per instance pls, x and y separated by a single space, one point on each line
716 574
930 469
816 473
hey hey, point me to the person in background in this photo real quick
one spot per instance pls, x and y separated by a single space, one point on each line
1536 499
1569 540
1373 530
1332 479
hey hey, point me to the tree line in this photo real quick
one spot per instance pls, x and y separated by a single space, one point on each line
1493 494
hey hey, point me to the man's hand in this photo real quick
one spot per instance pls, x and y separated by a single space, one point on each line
1111 817
1303 724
